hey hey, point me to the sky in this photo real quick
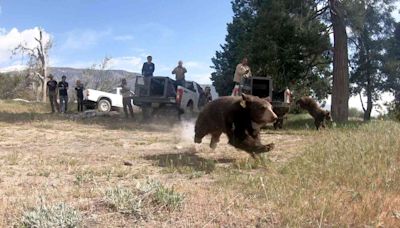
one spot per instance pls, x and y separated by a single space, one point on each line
86 31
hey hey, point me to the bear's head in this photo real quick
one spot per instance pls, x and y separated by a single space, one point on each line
260 110
328 116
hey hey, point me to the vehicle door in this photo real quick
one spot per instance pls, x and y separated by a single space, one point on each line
116 97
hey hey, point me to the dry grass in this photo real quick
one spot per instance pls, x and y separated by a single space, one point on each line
344 176
349 177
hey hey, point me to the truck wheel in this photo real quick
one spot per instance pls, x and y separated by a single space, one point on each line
104 105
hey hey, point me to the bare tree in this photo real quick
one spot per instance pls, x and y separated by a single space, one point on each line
96 77
38 61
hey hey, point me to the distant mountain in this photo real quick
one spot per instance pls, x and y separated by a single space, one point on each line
88 77
74 74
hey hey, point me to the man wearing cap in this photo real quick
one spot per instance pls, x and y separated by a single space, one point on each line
63 92
52 92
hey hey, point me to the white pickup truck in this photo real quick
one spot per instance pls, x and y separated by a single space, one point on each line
104 101
162 96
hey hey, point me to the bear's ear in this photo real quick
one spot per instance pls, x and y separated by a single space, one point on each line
246 97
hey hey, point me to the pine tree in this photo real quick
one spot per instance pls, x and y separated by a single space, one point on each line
233 50
283 39
371 24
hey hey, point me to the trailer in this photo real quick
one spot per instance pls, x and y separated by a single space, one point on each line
262 87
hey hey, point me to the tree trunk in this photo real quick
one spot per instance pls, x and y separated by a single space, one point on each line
340 91
44 81
367 113
36 90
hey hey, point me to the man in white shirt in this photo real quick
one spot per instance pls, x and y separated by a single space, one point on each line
242 72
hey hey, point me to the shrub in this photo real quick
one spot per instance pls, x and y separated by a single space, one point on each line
124 200
138 201
58 215
167 197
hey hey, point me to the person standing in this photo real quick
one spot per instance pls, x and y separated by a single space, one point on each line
287 96
147 71
207 93
63 93
180 72
79 95
242 73
126 98
52 93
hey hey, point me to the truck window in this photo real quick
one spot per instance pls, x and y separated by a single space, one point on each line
199 89
190 86
171 88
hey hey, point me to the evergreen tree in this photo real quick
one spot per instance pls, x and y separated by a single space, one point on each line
392 64
283 39
233 50
371 24
290 44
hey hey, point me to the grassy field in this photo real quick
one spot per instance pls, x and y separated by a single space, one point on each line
108 172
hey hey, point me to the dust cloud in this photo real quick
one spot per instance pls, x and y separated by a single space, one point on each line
186 129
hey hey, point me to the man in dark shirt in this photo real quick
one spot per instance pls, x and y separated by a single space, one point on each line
63 92
79 95
126 98
147 71
52 92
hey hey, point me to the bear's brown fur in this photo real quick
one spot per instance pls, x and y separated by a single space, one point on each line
240 118
315 111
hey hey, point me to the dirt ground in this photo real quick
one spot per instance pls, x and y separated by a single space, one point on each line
75 161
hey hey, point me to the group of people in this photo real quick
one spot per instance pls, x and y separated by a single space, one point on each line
149 67
55 88
60 89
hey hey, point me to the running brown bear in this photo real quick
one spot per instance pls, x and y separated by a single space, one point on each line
315 111
240 118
